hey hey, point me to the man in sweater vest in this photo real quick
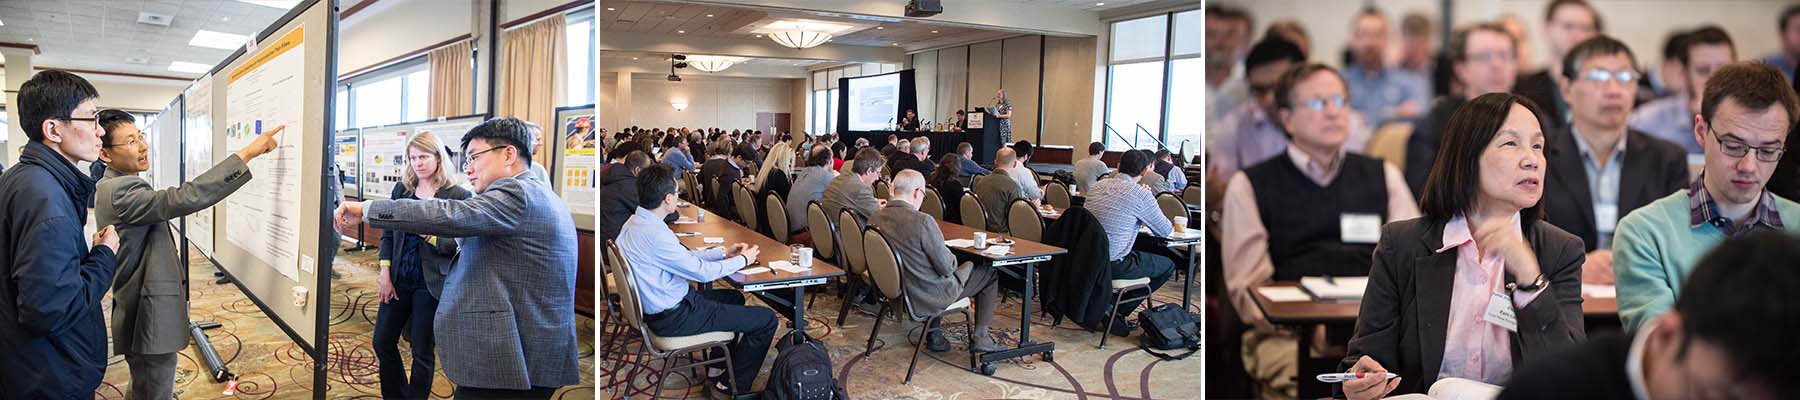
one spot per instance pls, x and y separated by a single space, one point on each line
1743 124
1313 210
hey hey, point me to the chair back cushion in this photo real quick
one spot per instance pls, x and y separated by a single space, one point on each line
973 214
1024 222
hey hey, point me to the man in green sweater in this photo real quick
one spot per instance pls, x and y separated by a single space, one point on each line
1743 124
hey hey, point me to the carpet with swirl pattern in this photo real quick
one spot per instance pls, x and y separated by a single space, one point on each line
269 365
1079 369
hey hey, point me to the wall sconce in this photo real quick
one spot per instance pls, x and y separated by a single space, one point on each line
678 105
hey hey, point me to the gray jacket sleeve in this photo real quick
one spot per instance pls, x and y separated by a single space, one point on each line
136 203
499 210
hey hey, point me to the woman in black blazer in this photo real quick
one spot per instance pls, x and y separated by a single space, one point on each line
1437 308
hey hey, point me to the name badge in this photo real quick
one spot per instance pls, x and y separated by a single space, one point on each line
1360 228
1500 312
1605 217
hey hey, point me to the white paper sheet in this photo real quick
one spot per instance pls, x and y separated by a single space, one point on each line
753 271
1284 294
1599 291
960 242
712 240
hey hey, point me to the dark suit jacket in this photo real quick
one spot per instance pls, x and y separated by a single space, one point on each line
1406 307
1422 145
1652 168
1541 89
1593 370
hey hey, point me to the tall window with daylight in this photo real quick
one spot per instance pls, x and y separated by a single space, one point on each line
1134 87
1185 77
580 68
394 94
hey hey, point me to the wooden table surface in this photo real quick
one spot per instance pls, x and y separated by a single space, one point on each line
732 232
1316 311
1021 248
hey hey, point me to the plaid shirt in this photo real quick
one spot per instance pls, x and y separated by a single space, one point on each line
1121 205
1702 210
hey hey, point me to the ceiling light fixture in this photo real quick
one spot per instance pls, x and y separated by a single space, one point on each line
800 38
281 4
680 31
611 9
188 67
879 28
713 63
709 15
218 40
933 31
1099 4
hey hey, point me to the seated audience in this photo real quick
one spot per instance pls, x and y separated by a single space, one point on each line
965 152
852 190
808 187
1089 169
1122 205
1672 118
1483 57
930 272
998 190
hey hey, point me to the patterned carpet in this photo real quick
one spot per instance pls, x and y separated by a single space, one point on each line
1079 370
270 366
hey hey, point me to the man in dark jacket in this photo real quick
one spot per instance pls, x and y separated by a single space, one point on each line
51 281
618 194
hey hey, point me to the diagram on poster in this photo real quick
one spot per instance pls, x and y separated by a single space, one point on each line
260 95
346 148
197 133
384 159
578 161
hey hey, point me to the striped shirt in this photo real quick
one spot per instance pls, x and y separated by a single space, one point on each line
1120 205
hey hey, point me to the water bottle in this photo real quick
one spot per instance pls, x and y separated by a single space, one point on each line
702 215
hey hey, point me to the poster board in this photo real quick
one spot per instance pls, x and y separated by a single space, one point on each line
382 160
274 232
577 160
196 137
347 143
449 132
165 156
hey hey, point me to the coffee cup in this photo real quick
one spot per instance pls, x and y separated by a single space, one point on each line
980 240
1181 224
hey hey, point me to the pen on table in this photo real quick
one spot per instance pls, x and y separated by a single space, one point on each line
1346 376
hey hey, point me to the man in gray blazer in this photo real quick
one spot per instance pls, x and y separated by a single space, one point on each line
809 186
933 280
150 287
852 190
506 323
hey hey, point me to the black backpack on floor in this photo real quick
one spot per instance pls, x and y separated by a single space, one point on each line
802 372
1169 327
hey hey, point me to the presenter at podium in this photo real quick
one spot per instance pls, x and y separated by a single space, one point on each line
150 292
505 327
910 122
1003 112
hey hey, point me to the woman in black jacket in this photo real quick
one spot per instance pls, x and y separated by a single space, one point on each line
1480 284
950 190
412 274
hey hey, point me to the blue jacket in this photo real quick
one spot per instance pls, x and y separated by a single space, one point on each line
414 262
52 331
971 168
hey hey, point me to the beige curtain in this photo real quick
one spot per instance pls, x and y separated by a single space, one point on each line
452 81
531 76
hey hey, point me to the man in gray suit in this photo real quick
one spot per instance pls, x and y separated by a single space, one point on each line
852 190
150 287
932 278
506 324
809 186
998 190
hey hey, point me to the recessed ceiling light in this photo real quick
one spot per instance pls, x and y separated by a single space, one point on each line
217 40
634 59
611 9
188 67
759 36
933 31
680 31
1099 4
709 15
224 19
879 28
2 23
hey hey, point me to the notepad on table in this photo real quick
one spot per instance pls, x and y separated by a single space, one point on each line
1335 288
753 271
1284 294
960 242
685 221
785 266
1599 291
997 250
712 240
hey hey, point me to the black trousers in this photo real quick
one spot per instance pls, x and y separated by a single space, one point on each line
722 310
1141 264
473 393
411 313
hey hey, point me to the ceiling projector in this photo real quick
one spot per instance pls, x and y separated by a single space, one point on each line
924 8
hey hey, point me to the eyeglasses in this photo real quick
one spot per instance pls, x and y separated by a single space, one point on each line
94 120
1602 76
1738 149
133 141
1486 56
1319 104
477 155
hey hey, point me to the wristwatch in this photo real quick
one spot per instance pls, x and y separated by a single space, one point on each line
1537 283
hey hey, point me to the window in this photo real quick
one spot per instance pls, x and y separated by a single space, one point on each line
391 95
580 69
1153 69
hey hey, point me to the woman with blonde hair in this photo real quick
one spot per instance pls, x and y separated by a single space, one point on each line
412 273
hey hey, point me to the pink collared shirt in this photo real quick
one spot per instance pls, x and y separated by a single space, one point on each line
1474 348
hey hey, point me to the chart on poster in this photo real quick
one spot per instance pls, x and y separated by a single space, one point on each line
263 94
197 133
383 160
578 160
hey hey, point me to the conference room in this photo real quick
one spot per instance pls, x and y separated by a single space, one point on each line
1522 199
899 199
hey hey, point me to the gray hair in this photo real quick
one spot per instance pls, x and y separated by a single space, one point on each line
920 144
906 181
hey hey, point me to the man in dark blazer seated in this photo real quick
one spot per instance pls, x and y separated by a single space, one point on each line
1566 23
506 324
1482 56
1725 338
1599 170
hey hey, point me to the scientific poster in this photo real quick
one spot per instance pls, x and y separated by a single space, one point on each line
346 149
165 166
450 134
383 160
260 95
579 161
197 133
